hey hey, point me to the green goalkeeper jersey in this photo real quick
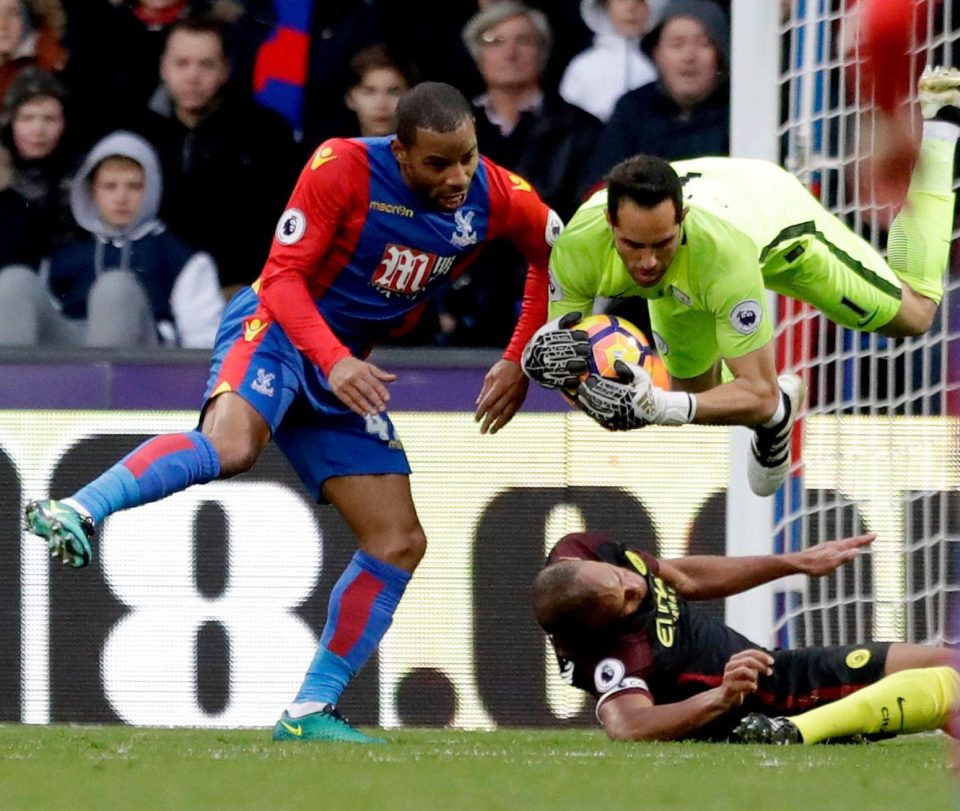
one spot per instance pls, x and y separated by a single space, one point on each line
750 226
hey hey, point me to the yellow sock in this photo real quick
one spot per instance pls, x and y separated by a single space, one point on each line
918 246
907 701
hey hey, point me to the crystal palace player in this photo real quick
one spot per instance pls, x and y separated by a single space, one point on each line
373 228
664 670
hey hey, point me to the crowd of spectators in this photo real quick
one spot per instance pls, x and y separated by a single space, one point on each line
147 147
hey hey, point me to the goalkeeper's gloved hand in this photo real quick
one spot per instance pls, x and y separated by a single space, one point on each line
633 401
556 355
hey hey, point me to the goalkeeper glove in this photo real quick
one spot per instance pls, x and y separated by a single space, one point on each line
556 355
633 401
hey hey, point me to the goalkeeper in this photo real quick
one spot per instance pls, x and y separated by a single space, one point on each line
703 240
662 669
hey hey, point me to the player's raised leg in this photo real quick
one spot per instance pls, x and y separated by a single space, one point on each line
846 278
233 433
918 245
232 436
769 461
380 512
160 466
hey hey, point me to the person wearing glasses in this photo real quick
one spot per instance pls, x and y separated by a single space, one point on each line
523 126
528 130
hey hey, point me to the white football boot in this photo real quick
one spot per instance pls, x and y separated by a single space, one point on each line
768 462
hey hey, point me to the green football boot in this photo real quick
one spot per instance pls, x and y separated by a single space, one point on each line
326 725
67 533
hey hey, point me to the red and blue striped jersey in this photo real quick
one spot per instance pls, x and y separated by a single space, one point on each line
357 252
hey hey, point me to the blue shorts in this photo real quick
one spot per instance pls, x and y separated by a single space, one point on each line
318 434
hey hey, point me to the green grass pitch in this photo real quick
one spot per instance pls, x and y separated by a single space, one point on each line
49 768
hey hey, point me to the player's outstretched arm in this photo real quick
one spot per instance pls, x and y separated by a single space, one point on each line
707 577
831 555
634 716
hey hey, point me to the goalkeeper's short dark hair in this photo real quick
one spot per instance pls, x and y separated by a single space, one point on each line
647 181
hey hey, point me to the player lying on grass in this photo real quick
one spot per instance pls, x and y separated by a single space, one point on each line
663 669
704 240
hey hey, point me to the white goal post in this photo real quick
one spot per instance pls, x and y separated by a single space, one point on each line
881 436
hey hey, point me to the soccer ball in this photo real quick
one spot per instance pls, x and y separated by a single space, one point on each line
612 339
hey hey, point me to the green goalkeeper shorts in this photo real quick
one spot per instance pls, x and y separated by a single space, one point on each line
825 264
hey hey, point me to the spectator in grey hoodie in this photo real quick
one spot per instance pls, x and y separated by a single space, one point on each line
130 282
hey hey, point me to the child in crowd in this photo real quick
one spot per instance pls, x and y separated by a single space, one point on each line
129 282
378 83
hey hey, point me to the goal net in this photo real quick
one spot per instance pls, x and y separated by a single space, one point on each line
879 448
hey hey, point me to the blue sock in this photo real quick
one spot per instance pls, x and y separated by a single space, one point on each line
160 466
360 611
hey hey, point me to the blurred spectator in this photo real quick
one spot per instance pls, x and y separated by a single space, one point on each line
600 75
545 140
301 67
30 34
426 34
520 125
34 165
128 282
339 29
226 160
115 48
378 83
570 37
686 112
